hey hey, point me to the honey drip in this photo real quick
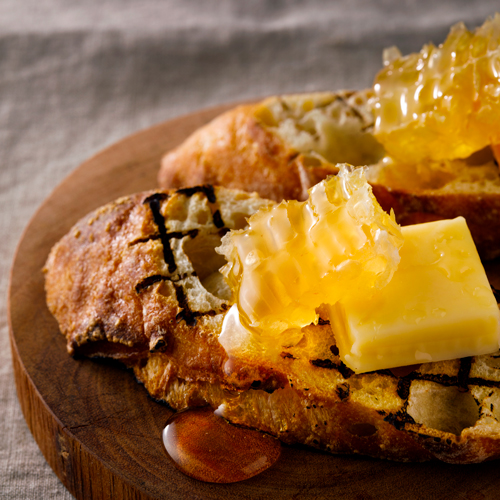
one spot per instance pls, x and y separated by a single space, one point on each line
206 447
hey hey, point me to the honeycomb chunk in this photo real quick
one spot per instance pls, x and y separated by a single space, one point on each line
442 102
295 256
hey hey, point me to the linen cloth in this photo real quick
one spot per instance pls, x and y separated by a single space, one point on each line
76 76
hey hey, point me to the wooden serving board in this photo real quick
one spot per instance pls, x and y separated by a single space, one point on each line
97 427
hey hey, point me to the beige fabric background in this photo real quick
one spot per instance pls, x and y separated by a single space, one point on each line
75 76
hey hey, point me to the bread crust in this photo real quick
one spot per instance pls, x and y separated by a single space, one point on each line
127 282
237 150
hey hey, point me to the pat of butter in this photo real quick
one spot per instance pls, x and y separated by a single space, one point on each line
438 305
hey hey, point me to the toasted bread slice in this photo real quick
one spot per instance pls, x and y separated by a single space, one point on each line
278 148
282 146
138 281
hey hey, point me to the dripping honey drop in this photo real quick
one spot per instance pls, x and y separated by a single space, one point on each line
206 447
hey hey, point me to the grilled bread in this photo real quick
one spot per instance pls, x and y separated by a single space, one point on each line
278 148
282 146
138 281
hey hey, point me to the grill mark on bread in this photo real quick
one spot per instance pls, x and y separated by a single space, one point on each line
355 111
483 382
329 364
156 278
185 313
441 379
399 419
217 218
351 108
461 381
323 363
403 389
154 202
463 373
343 391
145 239
344 370
147 282
181 234
206 189
209 191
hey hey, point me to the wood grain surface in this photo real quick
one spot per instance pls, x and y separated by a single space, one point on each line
97 427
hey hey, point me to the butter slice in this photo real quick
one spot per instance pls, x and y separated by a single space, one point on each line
439 305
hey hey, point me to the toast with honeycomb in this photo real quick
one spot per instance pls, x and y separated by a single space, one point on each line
138 281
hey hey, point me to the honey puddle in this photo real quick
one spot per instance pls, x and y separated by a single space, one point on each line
206 447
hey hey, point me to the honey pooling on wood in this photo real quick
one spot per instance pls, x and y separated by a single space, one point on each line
206 447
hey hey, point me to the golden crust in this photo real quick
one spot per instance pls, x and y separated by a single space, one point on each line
84 275
234 151
237 150
128 282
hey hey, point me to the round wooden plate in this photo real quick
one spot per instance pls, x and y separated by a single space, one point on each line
97 427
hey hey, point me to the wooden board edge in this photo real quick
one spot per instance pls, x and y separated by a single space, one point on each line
77 469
